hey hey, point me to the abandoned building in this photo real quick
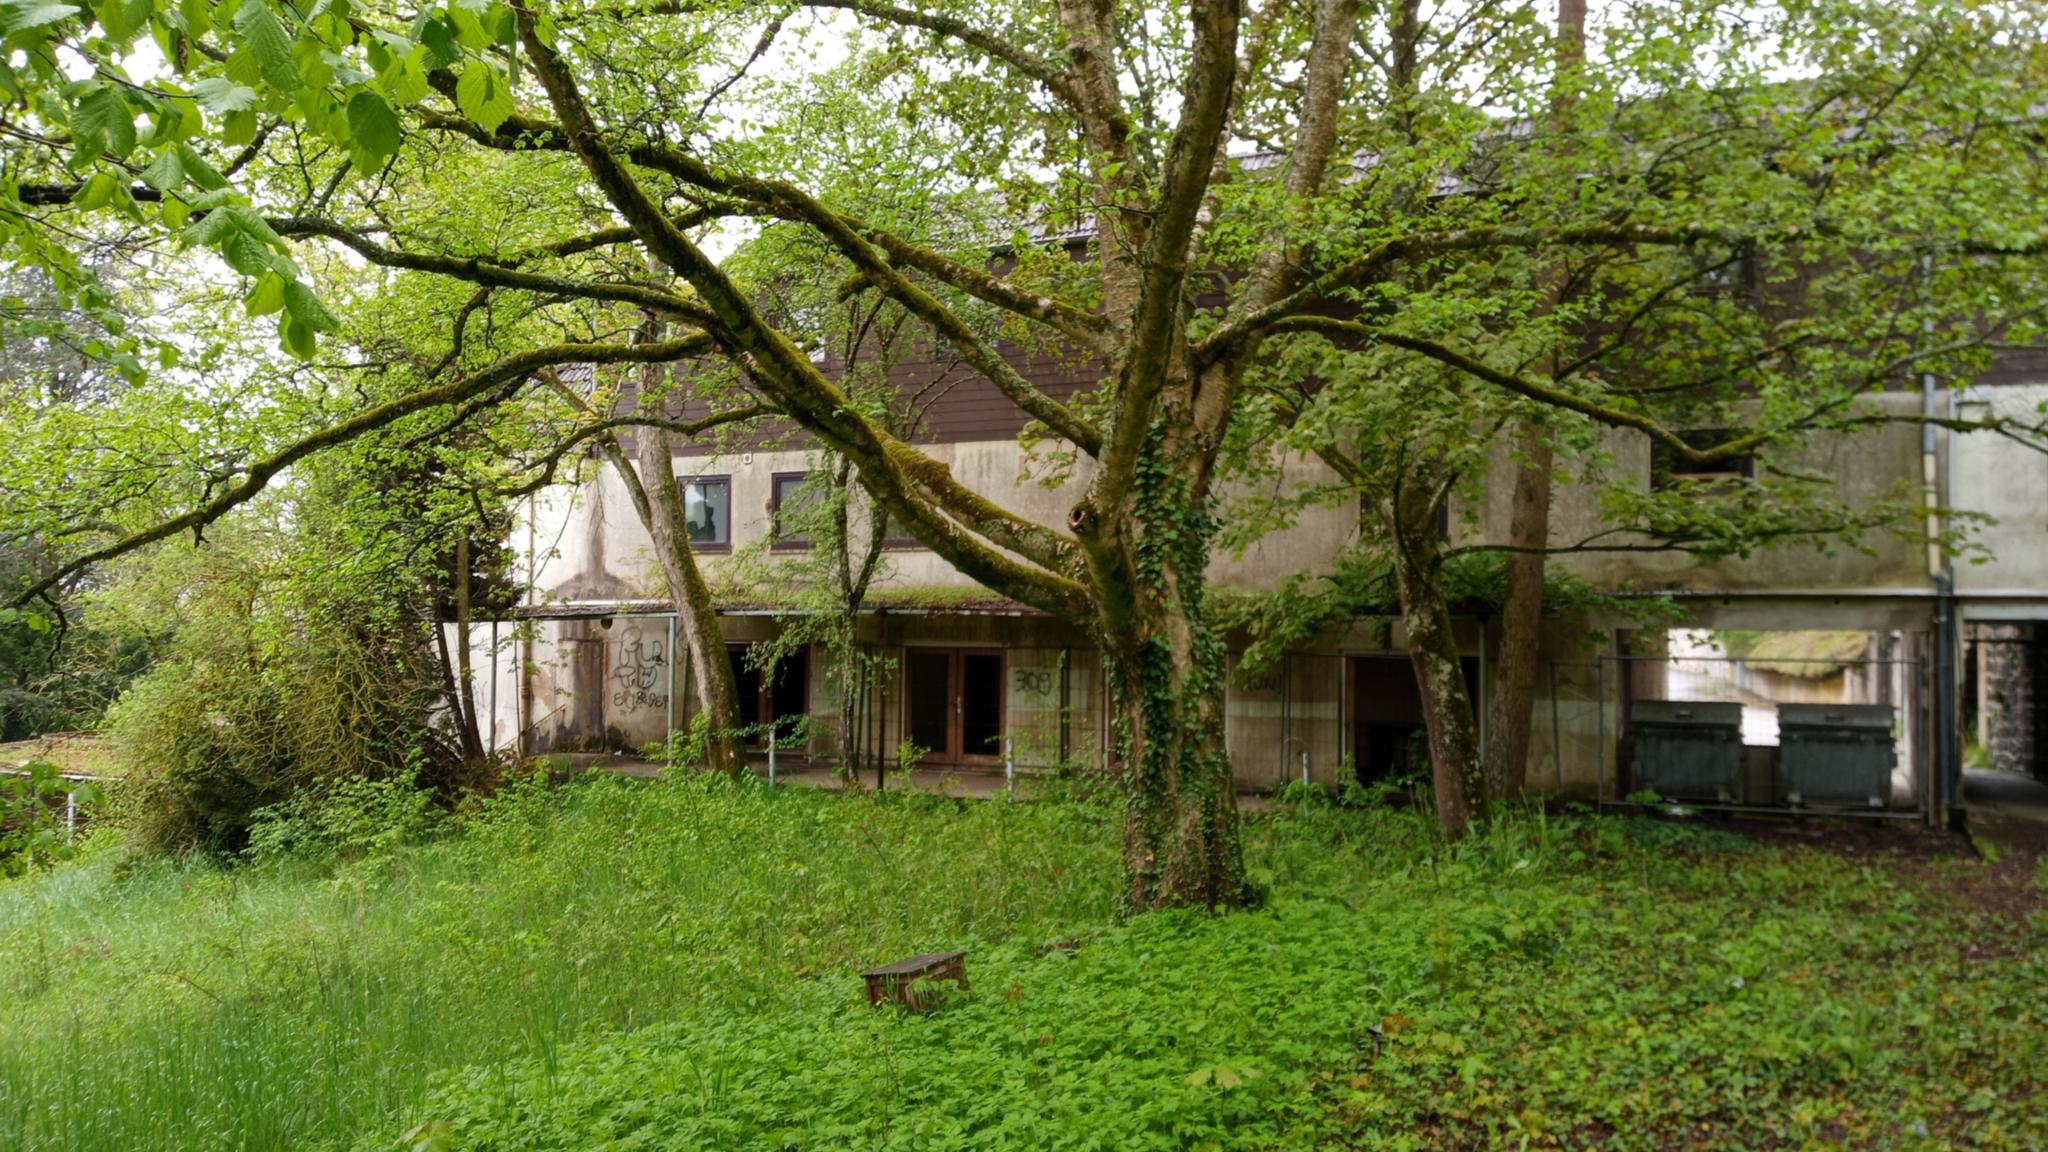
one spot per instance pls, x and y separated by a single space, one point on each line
1891 654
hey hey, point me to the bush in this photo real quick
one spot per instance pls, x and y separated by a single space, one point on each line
351 819
224 731
32 805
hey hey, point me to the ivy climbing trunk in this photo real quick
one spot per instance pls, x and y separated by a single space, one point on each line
1164 667
1456 774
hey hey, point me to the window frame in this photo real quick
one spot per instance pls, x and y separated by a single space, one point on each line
776 541
1666 474
682 494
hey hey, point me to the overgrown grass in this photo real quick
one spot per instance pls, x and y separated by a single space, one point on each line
190 1006
671 966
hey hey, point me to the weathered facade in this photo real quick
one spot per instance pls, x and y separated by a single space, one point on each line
978 683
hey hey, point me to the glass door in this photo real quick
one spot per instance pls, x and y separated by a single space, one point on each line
953 704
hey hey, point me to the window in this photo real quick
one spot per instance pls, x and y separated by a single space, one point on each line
707 511
790 503
1668 469
894 534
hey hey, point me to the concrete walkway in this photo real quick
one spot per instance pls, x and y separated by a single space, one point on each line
2004 795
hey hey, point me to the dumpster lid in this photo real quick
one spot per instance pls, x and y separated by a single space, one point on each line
1858 717
1686 713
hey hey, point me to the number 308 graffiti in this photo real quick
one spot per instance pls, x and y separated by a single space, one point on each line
1035 682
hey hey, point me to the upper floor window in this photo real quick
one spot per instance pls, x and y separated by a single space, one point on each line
707 511
1668 468
790 504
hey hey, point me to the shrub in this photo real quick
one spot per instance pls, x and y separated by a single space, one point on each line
225 730
32 806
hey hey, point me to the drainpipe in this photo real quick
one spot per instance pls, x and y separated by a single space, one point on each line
1945 726
1947 638
494 687
671 653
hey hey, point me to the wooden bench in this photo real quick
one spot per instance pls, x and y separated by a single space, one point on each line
897 981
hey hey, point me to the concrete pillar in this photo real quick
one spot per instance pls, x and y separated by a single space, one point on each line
2005 696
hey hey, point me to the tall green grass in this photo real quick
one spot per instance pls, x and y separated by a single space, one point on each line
671 965
174 1006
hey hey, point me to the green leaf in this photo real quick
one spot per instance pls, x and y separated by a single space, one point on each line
105 119
482 96
270 43
97 192
306 308
198 170
210 230
245 253
439 37
238 129
221 96
407 81
165 173
267 296
296 338
122 18
35 16
373 126
198 16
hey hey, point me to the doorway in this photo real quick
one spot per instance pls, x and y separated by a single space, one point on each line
953 700
1388 738
778 701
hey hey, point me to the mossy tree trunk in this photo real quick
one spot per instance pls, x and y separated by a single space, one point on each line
1513 706
1459 780
1164 668
661 504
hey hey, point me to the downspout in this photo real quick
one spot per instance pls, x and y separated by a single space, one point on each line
1947 640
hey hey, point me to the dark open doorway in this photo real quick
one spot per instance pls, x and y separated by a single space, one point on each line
954 704
781 698
1388 739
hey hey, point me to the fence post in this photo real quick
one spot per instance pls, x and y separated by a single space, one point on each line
1009 764
70 816
774 738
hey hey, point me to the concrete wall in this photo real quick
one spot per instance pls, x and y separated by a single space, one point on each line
1999 477
589 545
1865 465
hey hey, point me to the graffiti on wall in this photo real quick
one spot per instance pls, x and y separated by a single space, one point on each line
639 675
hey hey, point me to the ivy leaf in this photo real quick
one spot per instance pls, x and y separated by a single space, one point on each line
373 127
482 96
306 308
221 96
104 119
270 43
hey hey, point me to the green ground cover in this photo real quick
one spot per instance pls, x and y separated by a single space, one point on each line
671 965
